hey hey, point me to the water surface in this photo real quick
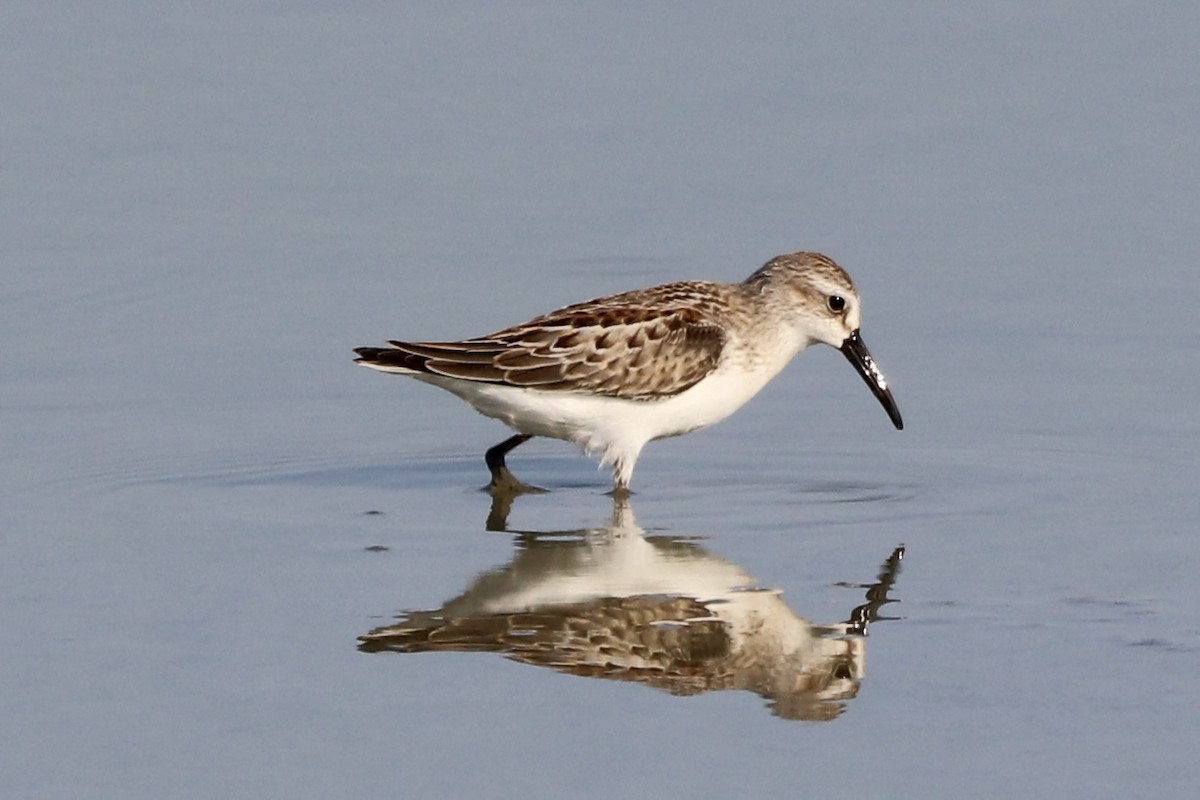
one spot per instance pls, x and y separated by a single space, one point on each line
206 505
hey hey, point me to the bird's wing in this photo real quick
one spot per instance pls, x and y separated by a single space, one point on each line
628 349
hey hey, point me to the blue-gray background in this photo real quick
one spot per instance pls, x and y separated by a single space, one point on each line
204 209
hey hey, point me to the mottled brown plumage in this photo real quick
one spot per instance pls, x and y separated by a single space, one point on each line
640 345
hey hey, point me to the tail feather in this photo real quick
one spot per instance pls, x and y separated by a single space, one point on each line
390 359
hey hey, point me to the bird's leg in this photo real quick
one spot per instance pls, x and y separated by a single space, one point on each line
622 474
503 481
494 457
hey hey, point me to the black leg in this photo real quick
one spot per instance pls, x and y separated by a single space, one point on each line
495 455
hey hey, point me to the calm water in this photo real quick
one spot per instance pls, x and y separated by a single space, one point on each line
234 565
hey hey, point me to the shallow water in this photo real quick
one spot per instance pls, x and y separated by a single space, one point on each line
206 506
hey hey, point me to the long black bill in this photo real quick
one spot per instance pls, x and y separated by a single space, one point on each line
857 354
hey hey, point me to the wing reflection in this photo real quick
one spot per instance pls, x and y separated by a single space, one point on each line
613 603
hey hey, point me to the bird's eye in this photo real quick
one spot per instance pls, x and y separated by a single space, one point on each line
837 303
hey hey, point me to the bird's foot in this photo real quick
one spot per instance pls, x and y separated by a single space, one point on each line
505 484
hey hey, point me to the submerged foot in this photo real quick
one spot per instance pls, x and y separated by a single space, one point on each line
504 483
504 488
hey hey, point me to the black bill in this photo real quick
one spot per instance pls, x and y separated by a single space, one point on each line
857 354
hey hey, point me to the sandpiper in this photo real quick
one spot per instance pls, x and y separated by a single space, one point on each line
614 373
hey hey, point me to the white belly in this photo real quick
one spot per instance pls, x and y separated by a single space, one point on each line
601 424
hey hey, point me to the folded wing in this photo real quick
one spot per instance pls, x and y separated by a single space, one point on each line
632 351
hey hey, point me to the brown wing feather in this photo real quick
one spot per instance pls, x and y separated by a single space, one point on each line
640 345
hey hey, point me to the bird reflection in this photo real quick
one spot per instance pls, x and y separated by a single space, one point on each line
612 602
